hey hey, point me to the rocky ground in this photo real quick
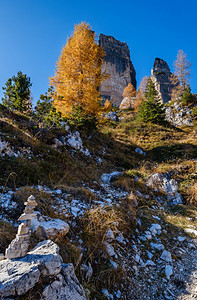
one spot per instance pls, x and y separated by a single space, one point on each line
126 194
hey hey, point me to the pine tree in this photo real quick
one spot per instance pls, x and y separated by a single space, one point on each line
45 112
187 96
78 72
151 110
17 93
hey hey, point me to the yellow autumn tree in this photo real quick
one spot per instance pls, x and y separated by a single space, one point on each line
129 91
107 106
78 72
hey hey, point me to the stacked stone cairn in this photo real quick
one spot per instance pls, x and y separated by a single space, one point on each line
20 245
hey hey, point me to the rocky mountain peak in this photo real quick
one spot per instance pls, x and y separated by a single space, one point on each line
160 75
118 66
161 66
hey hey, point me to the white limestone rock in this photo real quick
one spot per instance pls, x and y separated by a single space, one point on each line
51 227
109 249
127 103
150 263
157 246
18 247
109 236
166 256
74 140
19 276
168 271
140 151
155 229
112 115
161 182
181 238
64 287
107 178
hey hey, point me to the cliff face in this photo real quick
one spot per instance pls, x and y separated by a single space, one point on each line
160 75
118 65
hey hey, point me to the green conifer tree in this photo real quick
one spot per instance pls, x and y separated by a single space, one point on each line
17 93
151 110
187 96
45 112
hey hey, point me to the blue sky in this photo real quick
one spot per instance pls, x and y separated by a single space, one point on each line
32 33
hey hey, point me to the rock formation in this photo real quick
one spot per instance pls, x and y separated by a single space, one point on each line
118 65
160 75
42 267
179 115
127 103
19 246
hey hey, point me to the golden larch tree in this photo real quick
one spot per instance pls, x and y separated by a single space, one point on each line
129 91
107 106
129 95
78 72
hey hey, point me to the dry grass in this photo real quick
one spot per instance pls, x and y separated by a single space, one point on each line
83 193
96 223
44 200
182 216
192 194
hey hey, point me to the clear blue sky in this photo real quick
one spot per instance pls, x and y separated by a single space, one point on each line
32 33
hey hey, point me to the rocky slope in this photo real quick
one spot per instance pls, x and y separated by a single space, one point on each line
126 193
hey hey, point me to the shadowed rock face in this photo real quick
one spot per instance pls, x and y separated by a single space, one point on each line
117 64
160 76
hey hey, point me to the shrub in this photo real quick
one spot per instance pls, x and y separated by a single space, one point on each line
45 112
187 96
81 119
192 195
194 112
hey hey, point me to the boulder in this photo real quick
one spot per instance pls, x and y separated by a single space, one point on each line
166 255
140 151
161 182
49 227
74 140
178 115
65 286
112 115
18 276
127 103
107 178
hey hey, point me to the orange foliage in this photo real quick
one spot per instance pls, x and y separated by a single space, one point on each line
107 106
78 72
129 91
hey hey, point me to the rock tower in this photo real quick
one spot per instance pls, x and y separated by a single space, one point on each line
20 245
118 65
160 75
